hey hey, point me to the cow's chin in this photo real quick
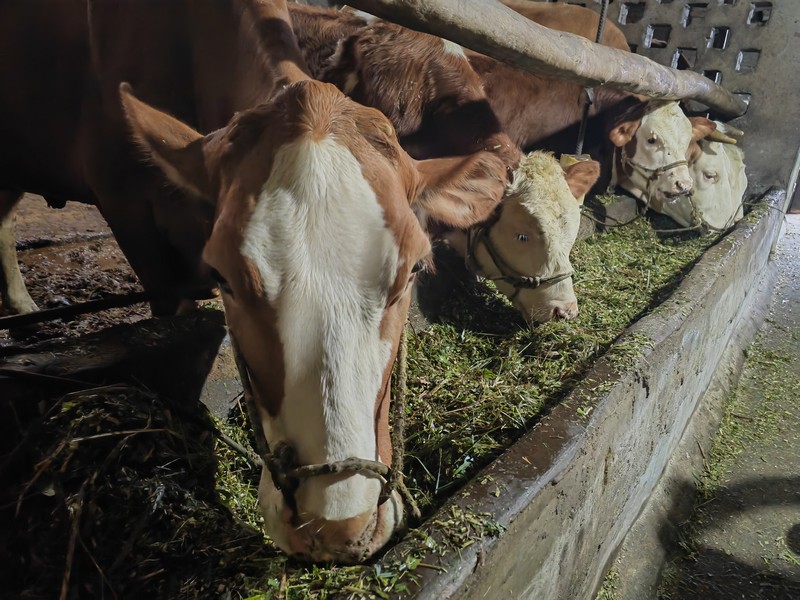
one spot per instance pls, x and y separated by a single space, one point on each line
552 302
668 198
679 209
316 539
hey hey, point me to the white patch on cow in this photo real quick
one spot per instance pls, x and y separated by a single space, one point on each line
662 139
720 182
363 15
539 204
539 186
326 258
454 49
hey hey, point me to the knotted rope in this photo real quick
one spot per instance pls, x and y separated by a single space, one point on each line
287 475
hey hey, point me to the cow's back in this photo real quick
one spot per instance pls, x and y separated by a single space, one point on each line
543 112
61 64
64 133
570 18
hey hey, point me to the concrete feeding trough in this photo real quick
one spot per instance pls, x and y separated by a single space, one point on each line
563 497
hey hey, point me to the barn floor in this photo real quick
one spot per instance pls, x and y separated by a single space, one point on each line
743 540
68 256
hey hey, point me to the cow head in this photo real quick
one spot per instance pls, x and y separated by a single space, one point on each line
524 248
717 168
314 245
653 138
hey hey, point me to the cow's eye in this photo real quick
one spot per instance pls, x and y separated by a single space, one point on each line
710 175
522 237
652 140
418 266
223 284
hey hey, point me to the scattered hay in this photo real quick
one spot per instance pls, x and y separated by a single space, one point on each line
116 491
112 494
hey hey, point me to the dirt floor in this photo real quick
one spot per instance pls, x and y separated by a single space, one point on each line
743 540
70 257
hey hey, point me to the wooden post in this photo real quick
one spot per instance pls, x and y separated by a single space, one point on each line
488 27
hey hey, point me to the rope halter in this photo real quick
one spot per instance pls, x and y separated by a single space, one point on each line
481 234
287 474
650 174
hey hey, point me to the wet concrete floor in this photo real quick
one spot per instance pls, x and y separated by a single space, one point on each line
743 540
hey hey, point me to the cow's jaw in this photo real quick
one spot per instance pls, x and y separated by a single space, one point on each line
720 182
326 267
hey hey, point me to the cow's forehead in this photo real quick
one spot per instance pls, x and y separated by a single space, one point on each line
540 188
317 203
668 123
261 150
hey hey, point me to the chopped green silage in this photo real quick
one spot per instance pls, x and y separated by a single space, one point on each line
191 528
476 384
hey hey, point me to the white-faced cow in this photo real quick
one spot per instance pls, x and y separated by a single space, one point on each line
543 198
720 181
437 104
303 205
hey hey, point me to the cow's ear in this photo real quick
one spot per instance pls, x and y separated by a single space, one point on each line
701 127
623 133
174 147
460 191
694 152
581 176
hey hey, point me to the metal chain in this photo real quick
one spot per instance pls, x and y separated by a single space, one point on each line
601 25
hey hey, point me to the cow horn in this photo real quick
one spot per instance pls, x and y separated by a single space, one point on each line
719 136
731 131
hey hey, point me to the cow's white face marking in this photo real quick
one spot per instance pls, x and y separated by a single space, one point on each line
662 139
326 267
720 182
454 49
535 234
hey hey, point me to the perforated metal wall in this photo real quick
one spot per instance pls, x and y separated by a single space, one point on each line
749 47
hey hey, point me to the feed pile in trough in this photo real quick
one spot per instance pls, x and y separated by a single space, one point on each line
111 493
116 486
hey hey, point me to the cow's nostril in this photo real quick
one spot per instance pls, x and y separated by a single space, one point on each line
560 313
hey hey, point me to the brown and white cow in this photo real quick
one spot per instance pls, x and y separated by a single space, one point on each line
544 197
303 205
437 104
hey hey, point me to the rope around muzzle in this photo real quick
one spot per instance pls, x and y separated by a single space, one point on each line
654 174
281 462
479 234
